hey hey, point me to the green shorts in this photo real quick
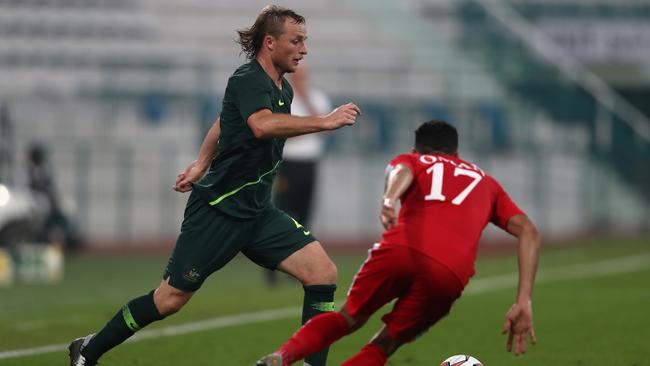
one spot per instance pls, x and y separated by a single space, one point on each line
209 239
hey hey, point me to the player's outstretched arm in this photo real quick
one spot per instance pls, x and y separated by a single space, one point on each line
266 124
519 319
197 168
397 182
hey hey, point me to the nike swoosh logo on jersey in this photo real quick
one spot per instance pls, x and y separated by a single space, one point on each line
280 102
299 225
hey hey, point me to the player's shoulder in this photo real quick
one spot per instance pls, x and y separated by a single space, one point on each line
247 74
405 158
242 71
466 164
462 163
486 179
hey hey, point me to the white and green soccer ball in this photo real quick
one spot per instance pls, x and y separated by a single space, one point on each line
461 360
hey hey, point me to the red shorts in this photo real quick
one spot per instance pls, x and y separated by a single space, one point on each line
425 290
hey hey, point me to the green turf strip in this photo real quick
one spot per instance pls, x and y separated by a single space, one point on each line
599 321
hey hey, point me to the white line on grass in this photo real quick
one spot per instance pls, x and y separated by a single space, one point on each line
565 273
477 286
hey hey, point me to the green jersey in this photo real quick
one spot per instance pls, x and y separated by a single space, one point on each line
240 177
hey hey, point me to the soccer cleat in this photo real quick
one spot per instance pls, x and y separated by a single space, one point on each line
74 351
274 359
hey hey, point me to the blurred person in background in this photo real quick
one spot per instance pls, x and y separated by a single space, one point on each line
229 210
426 255
6 138
56 226
296 181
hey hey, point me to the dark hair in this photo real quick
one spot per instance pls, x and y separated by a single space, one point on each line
270 21
436 136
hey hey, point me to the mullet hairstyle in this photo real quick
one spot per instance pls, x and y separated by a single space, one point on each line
270 21
436 136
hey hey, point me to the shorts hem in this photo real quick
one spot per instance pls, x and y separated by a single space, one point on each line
308 240
182 285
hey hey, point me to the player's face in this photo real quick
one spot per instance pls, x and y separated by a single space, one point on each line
290 47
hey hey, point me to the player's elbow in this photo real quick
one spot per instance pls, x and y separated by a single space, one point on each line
259 123
259 131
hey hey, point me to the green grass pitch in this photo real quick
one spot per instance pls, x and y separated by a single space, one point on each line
589 317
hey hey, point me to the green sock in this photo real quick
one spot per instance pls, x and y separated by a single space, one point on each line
133 316
318 299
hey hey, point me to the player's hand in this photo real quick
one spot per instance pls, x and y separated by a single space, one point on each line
519 325
344 115
191 174
388 214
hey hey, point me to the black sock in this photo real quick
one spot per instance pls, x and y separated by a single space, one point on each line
318 299
133 316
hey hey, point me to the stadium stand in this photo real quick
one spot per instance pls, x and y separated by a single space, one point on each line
121 91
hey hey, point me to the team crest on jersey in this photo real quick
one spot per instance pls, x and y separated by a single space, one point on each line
192 275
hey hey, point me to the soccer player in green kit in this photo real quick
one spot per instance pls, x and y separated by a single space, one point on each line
229 210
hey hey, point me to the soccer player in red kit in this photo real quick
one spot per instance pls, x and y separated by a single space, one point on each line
426 255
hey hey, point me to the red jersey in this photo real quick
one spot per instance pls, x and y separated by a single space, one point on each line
446 208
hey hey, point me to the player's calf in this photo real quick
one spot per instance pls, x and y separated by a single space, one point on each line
170 300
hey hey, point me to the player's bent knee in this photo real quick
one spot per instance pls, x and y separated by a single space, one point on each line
310 265
355 322
331 273
323 275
